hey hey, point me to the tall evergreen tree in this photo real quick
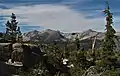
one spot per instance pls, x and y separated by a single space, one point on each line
108 42
11 29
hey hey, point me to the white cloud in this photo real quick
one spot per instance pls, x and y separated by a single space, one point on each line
74 1
71 1
59 17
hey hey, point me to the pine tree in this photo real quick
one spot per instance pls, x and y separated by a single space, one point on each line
11 29
108 42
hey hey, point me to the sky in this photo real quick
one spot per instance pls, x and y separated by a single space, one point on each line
62 15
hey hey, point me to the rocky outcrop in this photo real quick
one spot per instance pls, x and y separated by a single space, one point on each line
5 51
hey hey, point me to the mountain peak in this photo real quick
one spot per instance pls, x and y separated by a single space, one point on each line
48 30
90 30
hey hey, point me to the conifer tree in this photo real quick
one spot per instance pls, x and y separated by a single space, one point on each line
108 42
11 28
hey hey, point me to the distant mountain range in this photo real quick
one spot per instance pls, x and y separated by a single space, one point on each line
85 34
52 35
